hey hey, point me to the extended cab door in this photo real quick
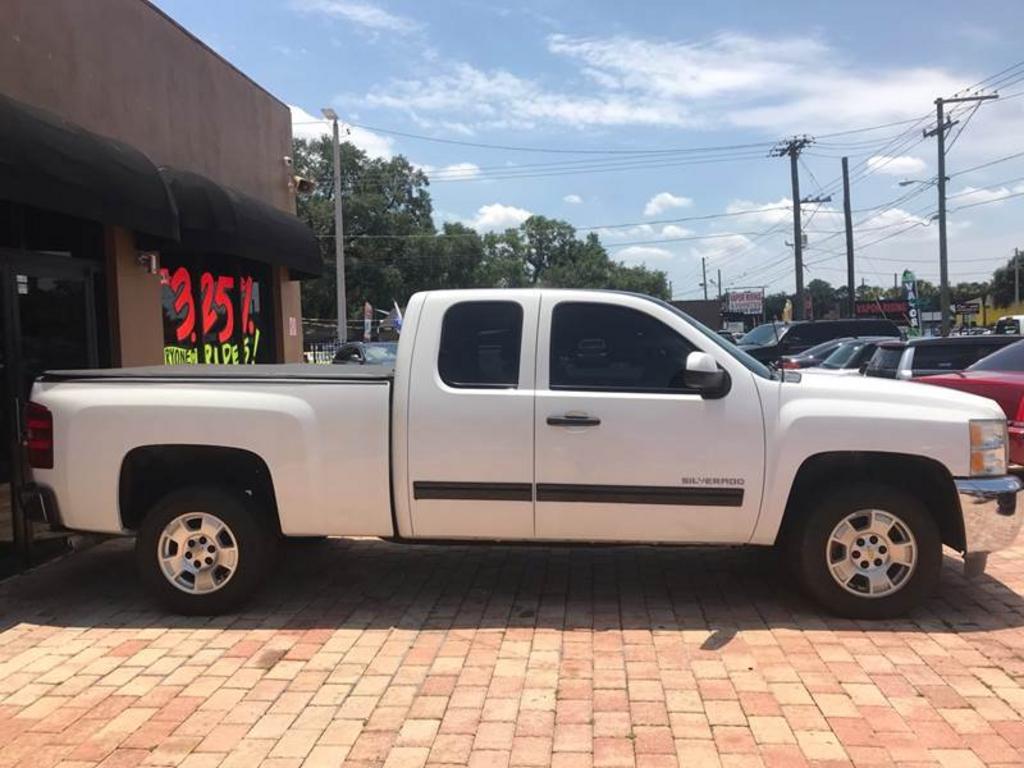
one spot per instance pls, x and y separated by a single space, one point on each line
624 451
470 416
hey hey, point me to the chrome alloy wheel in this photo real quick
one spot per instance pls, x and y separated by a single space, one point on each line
198 553
871 553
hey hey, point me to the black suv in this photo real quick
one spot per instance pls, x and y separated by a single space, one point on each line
771 341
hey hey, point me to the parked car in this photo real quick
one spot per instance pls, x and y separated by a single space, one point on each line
1010 324
532 415
772 341
1000 376
932 355
813 356
367 353
850 358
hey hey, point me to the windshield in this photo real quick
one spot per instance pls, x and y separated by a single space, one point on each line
843 355
1009 358
754 366
766 334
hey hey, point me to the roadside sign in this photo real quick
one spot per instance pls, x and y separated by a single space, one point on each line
750 302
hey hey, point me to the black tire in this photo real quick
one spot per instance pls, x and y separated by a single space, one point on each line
254 537
805 551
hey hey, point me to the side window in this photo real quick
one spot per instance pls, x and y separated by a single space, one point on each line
942 357
797 336
611 348
480 343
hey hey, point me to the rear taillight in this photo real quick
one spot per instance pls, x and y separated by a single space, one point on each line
1018 420
39 436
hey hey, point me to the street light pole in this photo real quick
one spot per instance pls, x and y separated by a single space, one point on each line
942 124
339 232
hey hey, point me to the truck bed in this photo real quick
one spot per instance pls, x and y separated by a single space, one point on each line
280 372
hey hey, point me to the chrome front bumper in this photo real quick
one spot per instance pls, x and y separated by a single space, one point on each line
992 519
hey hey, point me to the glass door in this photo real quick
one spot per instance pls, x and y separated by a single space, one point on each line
48 322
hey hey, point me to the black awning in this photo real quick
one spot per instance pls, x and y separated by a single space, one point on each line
216 219
50 163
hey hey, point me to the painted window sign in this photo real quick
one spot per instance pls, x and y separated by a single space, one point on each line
211 317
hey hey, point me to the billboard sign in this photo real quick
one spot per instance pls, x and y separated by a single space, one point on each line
910 291
750 302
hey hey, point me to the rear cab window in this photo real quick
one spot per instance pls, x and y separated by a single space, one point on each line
480 345
943 357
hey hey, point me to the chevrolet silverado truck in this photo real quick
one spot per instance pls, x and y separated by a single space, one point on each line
533 416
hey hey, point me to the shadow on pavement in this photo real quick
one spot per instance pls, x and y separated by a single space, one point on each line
368 583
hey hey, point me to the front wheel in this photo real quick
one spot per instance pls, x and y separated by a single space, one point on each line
203 550
867 551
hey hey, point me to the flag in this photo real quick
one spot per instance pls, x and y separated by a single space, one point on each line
395 317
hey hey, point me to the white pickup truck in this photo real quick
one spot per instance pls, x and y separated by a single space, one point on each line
527 415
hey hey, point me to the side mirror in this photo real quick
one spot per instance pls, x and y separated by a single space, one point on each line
863 368
703 375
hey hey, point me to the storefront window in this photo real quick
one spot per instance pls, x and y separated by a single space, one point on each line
216 309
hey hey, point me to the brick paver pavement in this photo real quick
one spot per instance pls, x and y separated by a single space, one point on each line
370 653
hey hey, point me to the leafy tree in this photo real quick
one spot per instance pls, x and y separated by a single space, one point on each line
1002 287
392 248
823 296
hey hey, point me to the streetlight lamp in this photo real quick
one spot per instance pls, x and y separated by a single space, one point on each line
339 231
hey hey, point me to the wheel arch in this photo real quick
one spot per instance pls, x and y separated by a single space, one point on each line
926 478
150 472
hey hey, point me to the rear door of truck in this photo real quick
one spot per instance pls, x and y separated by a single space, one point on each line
469 420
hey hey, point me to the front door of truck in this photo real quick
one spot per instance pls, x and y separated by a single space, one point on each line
624 452
470 417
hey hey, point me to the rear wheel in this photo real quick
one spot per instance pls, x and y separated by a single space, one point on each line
204 550
867 551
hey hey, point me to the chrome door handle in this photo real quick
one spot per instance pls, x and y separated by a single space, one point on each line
573 420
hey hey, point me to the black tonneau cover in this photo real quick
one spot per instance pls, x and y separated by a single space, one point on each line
286 372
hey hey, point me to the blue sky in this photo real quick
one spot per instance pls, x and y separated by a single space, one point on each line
624 92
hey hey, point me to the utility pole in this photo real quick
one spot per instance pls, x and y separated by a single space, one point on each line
851 306
704 276
1016 275
943 124
339 233
792 149
719 285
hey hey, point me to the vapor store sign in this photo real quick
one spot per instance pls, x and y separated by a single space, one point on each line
212 319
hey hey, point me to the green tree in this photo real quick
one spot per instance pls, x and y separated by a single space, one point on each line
1002 287
392 248
823 297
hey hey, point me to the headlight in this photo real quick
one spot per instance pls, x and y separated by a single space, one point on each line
988 447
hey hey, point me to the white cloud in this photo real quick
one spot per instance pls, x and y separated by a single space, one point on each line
664 201
307 126
900 165
498 216
672 230
455 171
625 233
573 200
972 195
762 213
642 253
779 84
363 14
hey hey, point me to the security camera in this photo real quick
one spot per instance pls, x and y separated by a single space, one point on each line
287 161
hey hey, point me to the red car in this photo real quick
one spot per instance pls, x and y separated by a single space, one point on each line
1000 376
